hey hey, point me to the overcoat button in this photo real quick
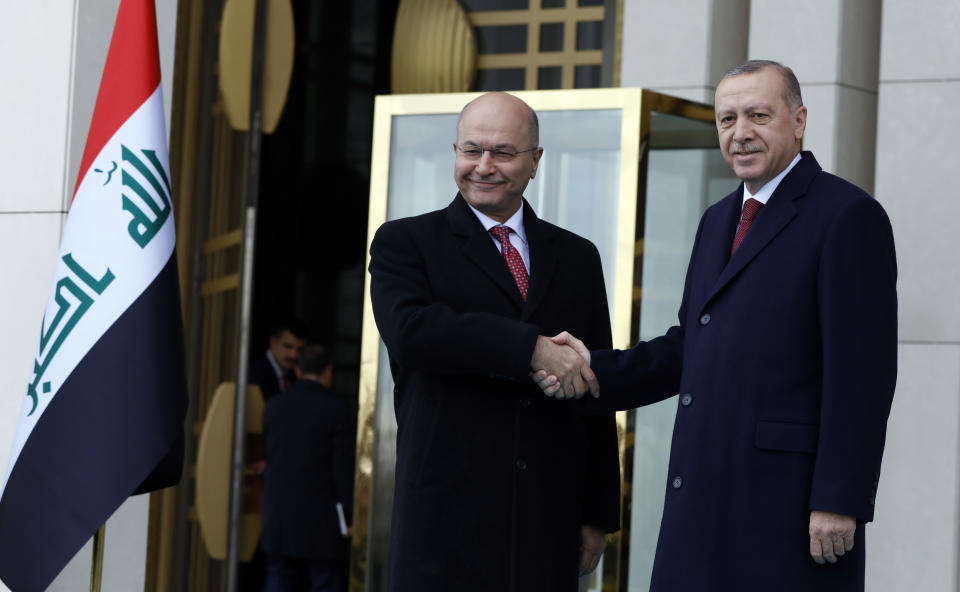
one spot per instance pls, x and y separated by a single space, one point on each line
677 482
686 399
525 402
521 464
705 318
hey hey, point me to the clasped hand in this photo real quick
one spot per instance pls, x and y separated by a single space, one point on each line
561 367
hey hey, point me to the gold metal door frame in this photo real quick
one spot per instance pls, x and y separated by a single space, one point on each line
636 106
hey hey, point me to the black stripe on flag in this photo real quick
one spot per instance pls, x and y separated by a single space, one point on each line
105 433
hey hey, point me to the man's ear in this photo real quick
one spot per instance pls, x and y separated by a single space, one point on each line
800 122
536 160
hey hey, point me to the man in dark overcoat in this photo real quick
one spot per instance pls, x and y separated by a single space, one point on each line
498 488
308 482
784 360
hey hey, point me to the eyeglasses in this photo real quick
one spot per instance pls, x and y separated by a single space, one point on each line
497 154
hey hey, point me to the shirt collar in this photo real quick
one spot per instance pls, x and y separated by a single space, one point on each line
276 366
515 222
763 196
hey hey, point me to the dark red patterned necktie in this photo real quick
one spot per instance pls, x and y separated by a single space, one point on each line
750 211
514 260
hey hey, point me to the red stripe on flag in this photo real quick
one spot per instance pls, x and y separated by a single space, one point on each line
131 74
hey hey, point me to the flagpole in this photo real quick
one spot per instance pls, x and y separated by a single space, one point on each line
96 567
246 288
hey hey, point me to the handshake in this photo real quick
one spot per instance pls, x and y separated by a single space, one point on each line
561 367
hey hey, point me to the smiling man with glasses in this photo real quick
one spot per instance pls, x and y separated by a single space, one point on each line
497 486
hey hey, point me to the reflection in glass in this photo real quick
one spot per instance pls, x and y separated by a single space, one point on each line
501 79
589 35
587 76
484 5
496 39
551 37
549 77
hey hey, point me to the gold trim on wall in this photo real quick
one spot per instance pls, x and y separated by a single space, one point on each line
433 48
532 59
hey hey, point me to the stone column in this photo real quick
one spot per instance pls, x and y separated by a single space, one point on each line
914 543
682 47
833 48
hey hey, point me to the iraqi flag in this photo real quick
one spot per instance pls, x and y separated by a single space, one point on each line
105 400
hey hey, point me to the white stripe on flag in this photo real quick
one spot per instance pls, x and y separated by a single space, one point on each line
118 236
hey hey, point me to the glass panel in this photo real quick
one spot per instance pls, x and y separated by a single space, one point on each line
589 35
485 5
590 3
549 77
551 37
501 39
501 79
586 76
685 174
553 3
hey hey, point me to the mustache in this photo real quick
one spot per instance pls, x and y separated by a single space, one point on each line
744 148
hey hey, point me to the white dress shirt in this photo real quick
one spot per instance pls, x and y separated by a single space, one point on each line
763 196
518 238
276 369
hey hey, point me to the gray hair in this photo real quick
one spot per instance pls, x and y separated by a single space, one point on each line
791 86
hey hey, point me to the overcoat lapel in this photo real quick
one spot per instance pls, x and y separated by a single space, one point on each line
717 238
773 218
543 259
478 247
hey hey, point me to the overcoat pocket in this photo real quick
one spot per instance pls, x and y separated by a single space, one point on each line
788 437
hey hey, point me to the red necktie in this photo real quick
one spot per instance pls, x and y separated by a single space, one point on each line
512 256
750 211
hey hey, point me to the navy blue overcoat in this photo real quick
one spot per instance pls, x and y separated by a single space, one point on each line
785 362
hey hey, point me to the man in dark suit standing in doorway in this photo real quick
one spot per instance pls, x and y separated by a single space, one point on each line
308 482
274 371
785 360
497 487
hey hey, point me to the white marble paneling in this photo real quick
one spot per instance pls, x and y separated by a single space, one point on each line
859 58
36 41
913 542
921 40
820 136
125 545
917 156
832 47
683 45
75 576
29 243
855 136
804 36
664 43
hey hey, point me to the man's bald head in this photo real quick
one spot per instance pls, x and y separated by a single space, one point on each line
501 100
497 153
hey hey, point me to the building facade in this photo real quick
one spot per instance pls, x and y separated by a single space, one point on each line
879 78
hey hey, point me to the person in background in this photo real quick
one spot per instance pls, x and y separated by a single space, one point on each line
275 370
308 481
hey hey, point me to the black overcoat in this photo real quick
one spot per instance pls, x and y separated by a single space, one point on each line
309 435
493 478
788 353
